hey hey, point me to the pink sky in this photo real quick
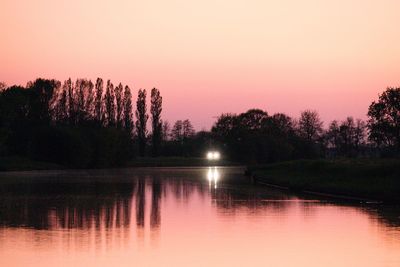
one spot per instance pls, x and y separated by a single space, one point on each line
212 56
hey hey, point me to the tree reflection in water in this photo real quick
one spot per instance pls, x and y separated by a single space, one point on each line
105 204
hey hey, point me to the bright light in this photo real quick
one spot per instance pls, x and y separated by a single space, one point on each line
213 175
213 155
210 174
216 174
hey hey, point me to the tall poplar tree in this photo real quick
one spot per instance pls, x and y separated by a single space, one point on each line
98 102
61 106
109 101
89 100
141 121
127 113
119 104
71 101
156 123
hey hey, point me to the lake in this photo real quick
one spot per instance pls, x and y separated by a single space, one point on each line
184 217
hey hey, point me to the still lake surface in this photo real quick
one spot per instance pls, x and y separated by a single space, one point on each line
184 217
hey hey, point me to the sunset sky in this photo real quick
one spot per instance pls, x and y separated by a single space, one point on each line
212 56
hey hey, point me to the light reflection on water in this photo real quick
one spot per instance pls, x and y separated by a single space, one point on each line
213 176
184 217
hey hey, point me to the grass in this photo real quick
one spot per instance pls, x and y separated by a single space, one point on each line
377 179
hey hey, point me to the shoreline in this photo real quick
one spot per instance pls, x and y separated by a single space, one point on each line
18 164
364 180
319 194
352 180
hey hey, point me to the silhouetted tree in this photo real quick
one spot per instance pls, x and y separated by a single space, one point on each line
3 86
84 100
384 120
127 111
277 139
109 104
165 131
119 104
182 135
14 120
253 119
187 129
98 105
141 121
346 138
45 121
89 100
310 125
80 88
255 137
224 126
311 133
230 133
50 122
346 131
246 138
177 131
283 122
42 92
333 136
156 123
72 113
60 111
359 135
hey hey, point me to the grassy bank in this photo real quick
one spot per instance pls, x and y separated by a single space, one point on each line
364 178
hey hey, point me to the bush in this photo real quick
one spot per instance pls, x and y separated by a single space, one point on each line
81 147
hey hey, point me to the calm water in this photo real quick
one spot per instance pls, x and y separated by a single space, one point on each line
183 217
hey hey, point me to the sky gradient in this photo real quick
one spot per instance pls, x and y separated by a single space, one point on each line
212 56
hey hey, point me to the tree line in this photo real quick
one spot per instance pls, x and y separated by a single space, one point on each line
255 136
85 123
97 124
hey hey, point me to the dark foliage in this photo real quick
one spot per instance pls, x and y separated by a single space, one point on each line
70 124
141 121
82 124
156 123
255 137
384 121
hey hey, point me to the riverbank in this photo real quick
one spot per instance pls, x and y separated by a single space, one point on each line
377 179
26 164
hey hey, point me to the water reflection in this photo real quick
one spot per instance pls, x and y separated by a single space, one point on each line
140 202
160 210
213 176
155 215
110 203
